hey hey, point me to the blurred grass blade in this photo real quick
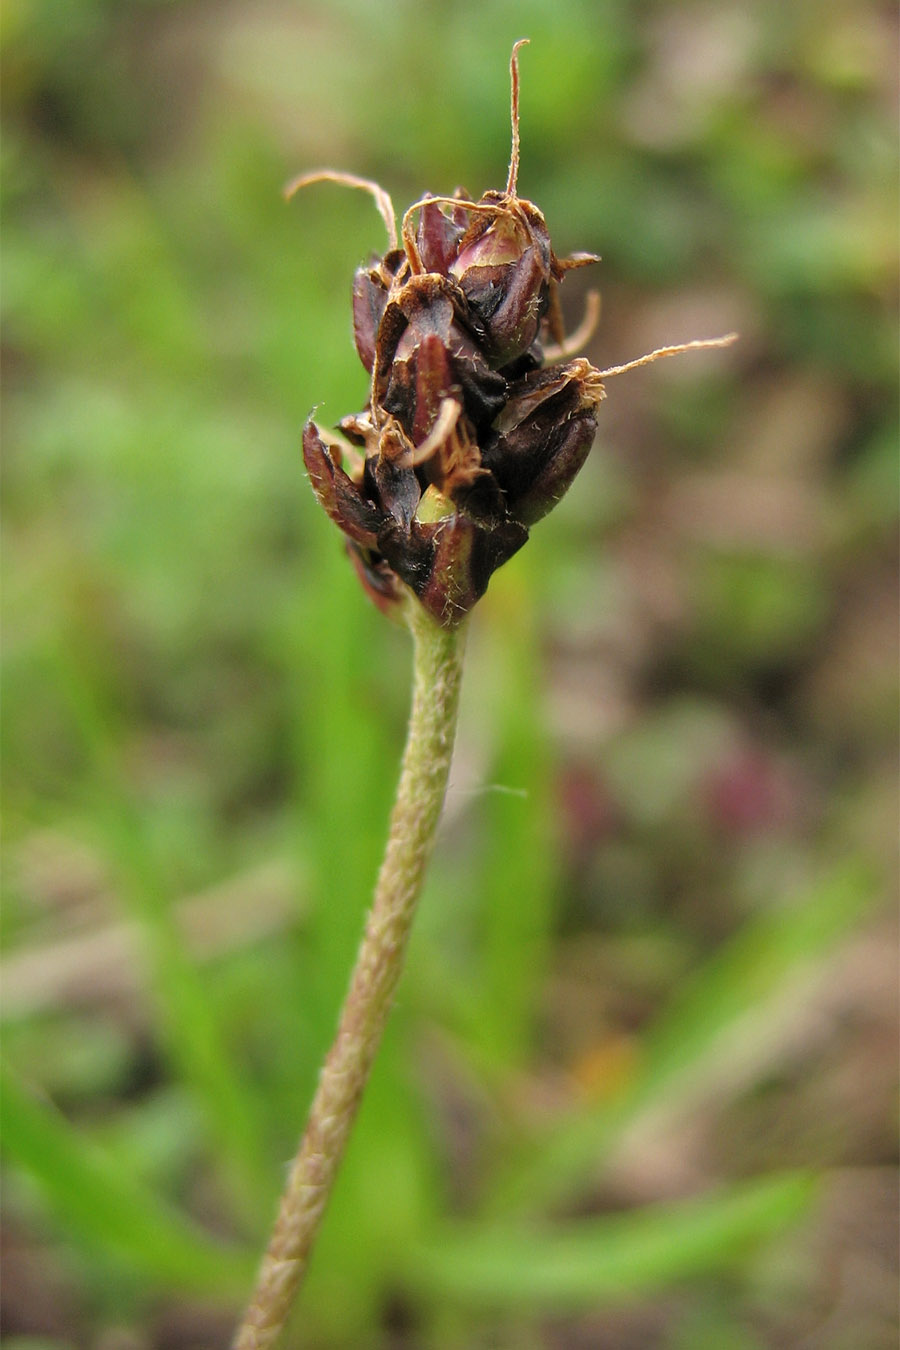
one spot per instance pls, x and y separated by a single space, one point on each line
612 1258
190 1026
690 1046
345 761
94 1199
769 956
517 873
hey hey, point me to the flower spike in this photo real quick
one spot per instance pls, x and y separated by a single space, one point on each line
480 411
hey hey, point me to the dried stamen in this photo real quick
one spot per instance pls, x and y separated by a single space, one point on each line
382 200
660 352
513 176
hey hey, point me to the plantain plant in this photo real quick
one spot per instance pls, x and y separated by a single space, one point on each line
480 415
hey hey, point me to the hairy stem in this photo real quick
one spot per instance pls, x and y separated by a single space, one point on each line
414 819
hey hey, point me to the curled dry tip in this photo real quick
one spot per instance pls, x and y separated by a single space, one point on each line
448 415
574 260
376 191
575 342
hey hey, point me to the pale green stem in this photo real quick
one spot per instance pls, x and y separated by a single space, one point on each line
417 809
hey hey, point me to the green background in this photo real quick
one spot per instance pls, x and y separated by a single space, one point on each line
639 1086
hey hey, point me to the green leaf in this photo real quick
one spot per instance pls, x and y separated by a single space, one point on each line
517 873
613 1258
768 958
107 1208
190 1021
345 761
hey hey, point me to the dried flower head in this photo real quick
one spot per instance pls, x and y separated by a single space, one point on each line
469 436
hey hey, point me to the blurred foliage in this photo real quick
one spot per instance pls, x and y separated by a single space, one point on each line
654 937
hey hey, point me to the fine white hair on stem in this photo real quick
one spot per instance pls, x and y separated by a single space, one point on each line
382 199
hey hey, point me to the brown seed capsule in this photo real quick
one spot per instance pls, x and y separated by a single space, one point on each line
543 436
426 352
504 268
371 288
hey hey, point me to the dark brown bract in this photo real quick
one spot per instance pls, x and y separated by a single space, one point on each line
469 436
